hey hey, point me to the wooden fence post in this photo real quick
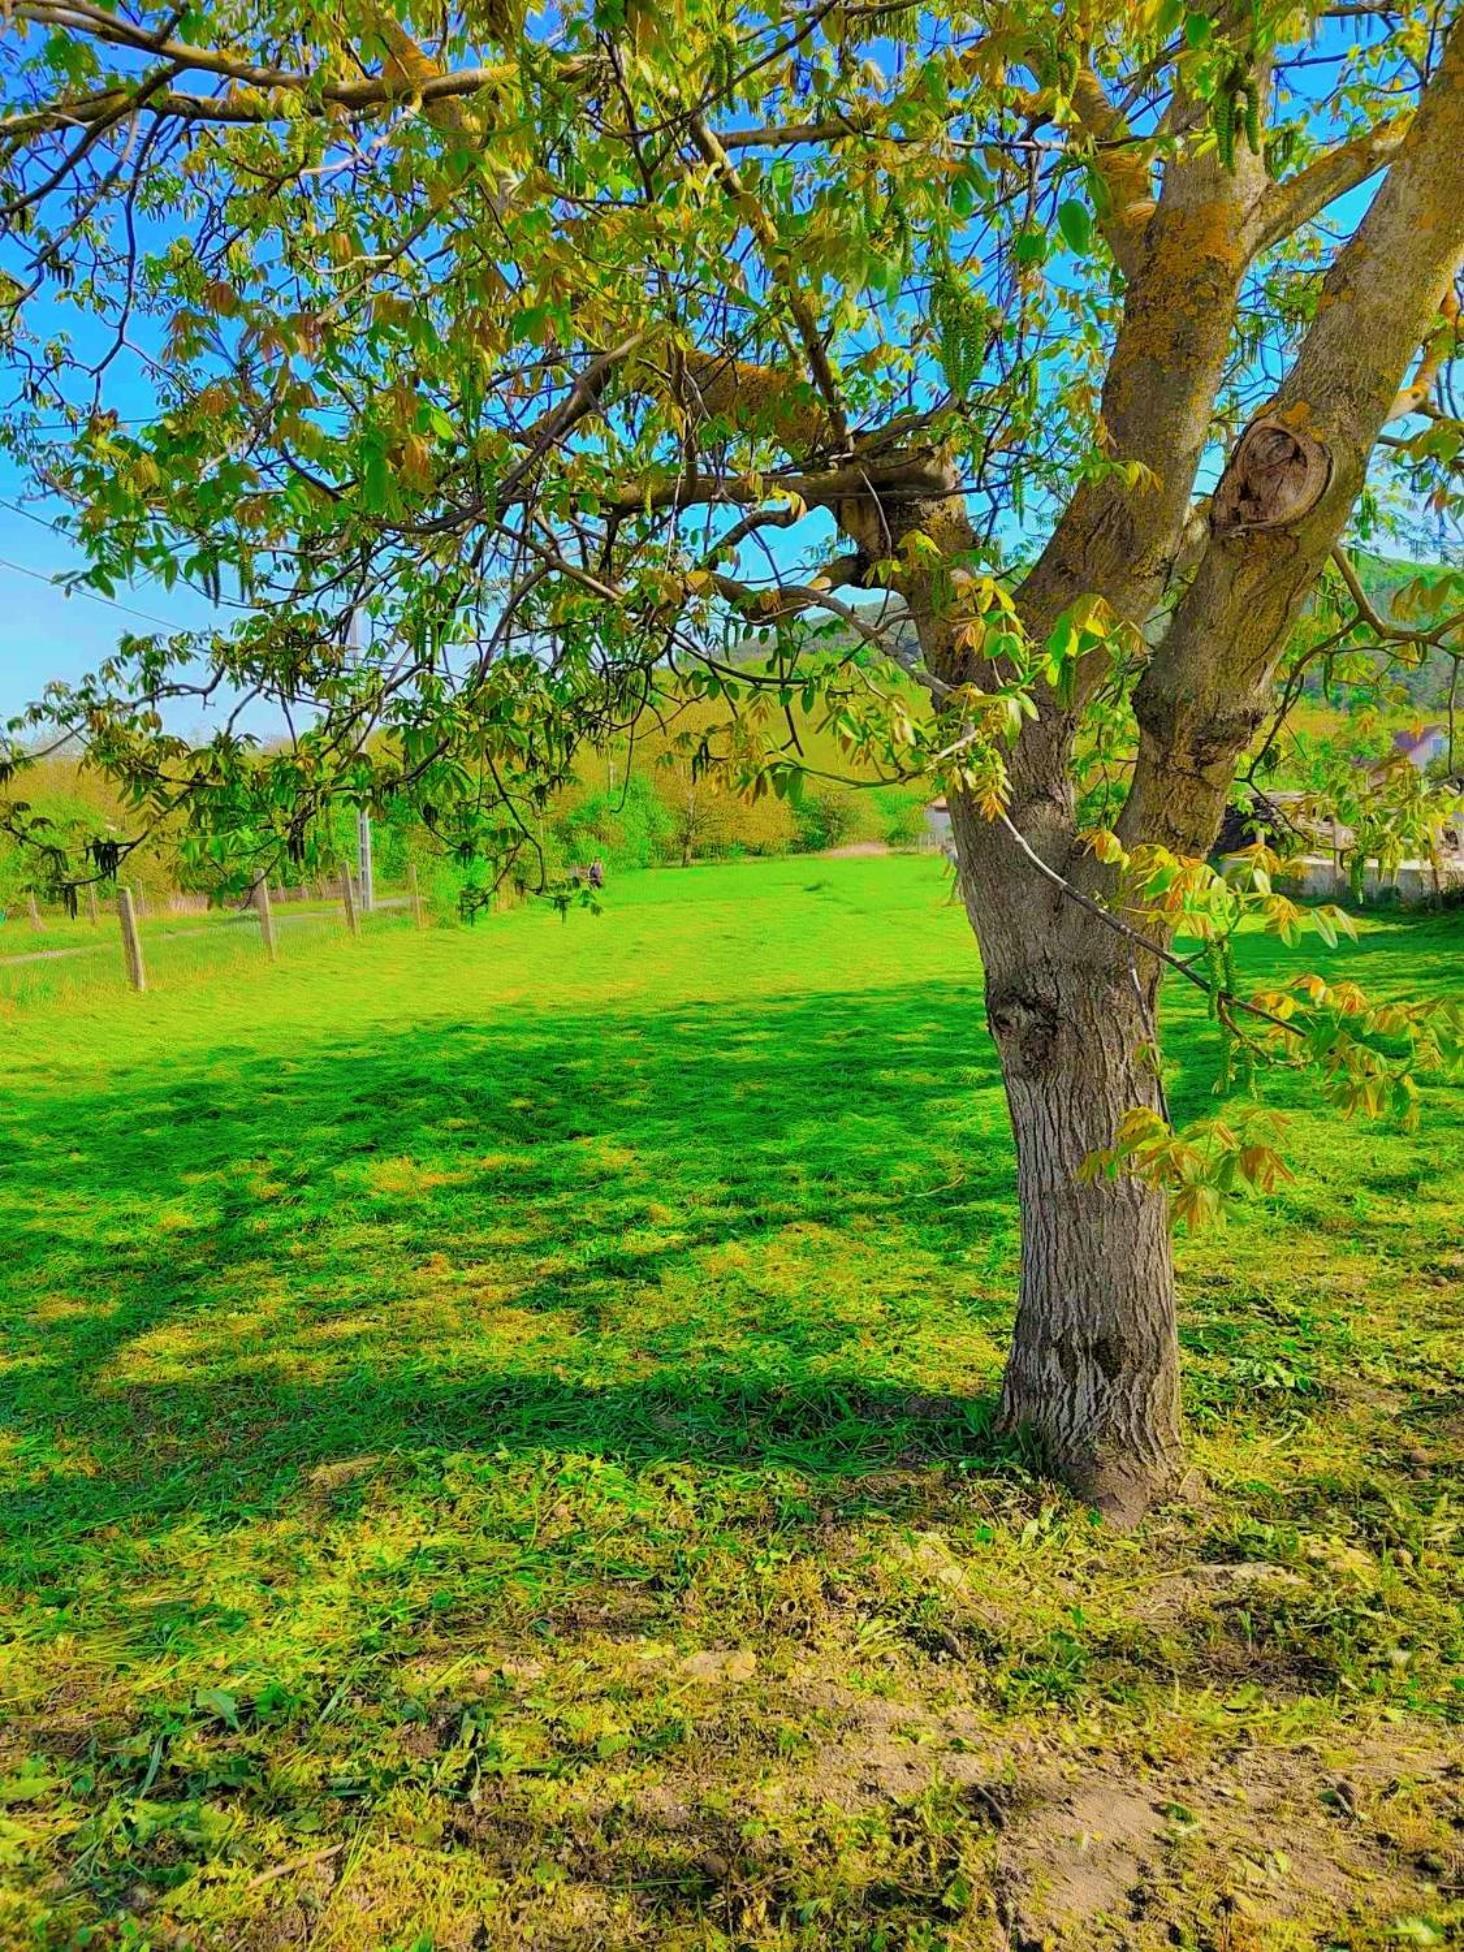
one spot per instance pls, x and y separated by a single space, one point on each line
348 897
415 892
93 914
34 912
131 940
266 918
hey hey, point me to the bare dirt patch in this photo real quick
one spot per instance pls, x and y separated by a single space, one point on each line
1258 1843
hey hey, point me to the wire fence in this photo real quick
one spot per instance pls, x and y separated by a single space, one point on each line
123 943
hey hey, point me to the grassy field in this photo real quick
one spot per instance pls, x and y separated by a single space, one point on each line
497 1452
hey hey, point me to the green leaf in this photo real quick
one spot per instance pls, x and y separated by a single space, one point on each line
220 1704
1076 224
376 485
32 1785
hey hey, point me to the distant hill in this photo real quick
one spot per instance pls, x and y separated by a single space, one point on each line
1382 574
1382 577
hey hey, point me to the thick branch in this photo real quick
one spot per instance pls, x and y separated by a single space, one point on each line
912 478
800 134
409 74
1287 206
1205 691
1437 350
1117 538
244 106
1122 163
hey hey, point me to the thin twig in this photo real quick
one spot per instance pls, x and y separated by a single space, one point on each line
294 1864
1131 934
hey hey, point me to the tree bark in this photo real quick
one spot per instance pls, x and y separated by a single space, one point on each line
1093 1373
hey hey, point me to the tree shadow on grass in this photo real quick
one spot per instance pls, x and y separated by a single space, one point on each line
648 1237
780 1233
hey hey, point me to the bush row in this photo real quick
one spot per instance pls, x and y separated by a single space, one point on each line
664 818
659 816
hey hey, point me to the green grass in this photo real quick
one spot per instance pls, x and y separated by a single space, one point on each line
498 1452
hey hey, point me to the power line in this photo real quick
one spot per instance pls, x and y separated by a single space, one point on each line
41 521
93 596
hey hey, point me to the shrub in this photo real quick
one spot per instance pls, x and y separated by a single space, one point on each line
700 818
761 827
829 815
625 827
900 811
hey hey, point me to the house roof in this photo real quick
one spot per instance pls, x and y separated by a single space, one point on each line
1421 738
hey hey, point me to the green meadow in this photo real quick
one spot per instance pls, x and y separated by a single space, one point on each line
498 1450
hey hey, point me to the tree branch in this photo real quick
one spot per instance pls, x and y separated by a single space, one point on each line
917 476
1122 164
249 108
1118 536
1388 633
1206 689
765 231
1287 206
1437 348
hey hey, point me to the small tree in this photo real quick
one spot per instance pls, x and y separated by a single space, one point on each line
676 756
696 810
559 351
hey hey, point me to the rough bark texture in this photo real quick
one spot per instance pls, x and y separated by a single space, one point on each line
1093 1373
1093 1370
1207 687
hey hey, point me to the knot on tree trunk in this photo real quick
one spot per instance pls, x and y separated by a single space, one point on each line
1025 1025
891 494
1276 475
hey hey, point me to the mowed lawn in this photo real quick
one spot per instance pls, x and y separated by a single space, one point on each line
497 1451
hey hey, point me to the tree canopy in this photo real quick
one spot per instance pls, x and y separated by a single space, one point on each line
557 348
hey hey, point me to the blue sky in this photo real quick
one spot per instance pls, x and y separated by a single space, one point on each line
48 634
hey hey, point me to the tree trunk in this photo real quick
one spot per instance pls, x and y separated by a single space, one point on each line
1093 1372
1094 1366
